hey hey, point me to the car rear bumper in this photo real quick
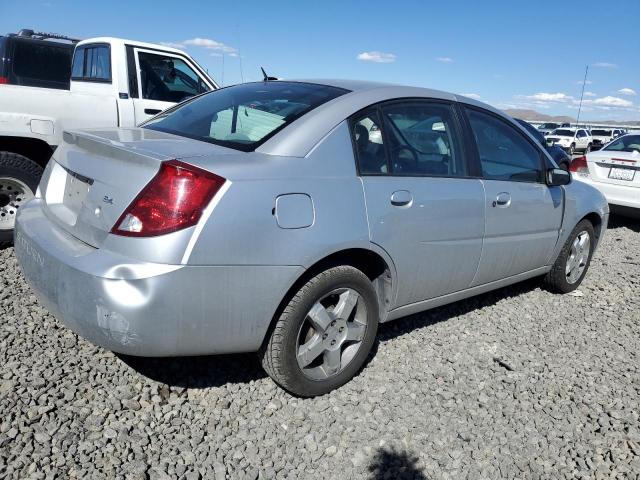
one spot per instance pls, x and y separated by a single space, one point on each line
147 309
615 194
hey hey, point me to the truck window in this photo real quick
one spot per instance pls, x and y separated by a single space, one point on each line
39 64
167 78
92 63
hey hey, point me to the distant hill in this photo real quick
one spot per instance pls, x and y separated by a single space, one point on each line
533 116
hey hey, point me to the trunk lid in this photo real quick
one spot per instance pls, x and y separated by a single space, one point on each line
618 168
95 175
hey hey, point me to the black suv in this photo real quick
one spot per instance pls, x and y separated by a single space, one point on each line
34 59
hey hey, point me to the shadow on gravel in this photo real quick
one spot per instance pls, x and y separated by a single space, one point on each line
624 219
396 328
393 464
198 372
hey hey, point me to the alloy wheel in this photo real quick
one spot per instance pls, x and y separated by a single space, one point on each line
331 334
578 257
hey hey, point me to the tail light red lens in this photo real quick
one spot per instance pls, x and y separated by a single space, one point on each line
580 166
173 200
4 80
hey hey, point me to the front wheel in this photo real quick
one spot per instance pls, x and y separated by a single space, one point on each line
572 150
588 149
19 178
324 334
572 264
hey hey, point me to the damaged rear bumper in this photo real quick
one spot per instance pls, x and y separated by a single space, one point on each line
147 309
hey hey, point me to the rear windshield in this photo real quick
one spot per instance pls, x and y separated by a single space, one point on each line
601 133
628 143
549 126
42 64
243 116
563 133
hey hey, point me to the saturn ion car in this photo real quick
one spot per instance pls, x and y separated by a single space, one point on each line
291 218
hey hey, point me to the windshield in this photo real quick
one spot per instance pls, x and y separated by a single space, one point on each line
563 133
601 133
243 116
628 143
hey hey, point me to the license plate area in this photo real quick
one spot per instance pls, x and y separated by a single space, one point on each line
76 189
620 173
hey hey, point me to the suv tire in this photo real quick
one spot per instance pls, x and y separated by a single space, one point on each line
19 178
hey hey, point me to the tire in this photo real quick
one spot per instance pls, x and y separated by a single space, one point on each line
588 149
19 178
296 327
572 150
558 280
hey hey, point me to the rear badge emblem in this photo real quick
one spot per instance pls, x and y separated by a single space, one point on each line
107 199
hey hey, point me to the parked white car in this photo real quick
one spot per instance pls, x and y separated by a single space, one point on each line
571 140
614 170
602 136
114 83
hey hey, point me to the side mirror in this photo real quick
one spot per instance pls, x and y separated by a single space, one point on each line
557 177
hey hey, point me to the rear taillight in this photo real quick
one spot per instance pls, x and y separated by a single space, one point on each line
4 80
174 199
579 166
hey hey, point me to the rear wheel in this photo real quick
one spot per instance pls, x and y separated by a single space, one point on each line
588 149
573 262
19 177
572 149
324 334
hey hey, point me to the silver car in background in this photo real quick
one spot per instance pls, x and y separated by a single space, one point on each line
290 218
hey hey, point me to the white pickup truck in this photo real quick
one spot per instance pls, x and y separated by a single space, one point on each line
114 82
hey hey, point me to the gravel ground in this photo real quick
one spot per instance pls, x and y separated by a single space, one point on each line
518 383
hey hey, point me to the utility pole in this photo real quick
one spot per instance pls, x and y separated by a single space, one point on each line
584 82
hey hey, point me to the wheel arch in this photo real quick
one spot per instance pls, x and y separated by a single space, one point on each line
376 265
596 221
33 148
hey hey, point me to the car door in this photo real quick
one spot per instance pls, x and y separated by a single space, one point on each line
423 206
582 139
162 80
523 215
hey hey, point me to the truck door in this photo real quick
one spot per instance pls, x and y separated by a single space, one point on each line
158 80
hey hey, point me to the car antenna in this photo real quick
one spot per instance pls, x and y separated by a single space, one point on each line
265 77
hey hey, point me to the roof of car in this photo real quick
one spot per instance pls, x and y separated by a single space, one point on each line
353 85
303 134
124 41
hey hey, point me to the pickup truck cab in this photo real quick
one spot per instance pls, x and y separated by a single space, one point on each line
113 83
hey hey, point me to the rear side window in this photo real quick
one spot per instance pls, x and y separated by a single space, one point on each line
367 139
92 63
243 116
167 78
504 152
41 64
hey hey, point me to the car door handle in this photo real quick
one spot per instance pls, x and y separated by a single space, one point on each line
401 198
152 111
503 200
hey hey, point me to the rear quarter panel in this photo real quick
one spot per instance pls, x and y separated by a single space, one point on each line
243 229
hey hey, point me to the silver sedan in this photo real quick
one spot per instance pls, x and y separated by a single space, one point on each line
291 218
